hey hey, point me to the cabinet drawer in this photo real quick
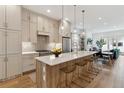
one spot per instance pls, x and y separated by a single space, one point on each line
28 60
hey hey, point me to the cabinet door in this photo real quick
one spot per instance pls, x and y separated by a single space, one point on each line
2 42
2 67
28 62
33 32
25 31
13 17
25 14
40 24
14 65
13 42
46 25
2 16
33 17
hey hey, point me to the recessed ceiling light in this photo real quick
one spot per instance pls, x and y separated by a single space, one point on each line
100 18
48 11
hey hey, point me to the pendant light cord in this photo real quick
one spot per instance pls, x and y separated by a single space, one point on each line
75 16
83 19
62 14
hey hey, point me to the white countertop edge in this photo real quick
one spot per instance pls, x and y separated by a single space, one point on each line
60 60
32 52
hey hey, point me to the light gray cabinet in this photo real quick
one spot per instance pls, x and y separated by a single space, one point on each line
2 67
13 17
2 16
41 24
10 56
10 43
33 32
29 61
2 42
10 16
13 42
29 26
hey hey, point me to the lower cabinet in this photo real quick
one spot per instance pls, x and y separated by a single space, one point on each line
29 62
14 65
10 68
2 67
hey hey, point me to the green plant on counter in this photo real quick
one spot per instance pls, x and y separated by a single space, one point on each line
100 43
89 41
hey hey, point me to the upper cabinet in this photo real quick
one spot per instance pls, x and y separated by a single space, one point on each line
29 26
54 32
33 17
2 16
44 24
25 31
2 42
33 24
33 32
25 14
47 25
41 24
13 17
10 17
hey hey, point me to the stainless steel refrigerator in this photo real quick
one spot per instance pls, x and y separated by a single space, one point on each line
66 44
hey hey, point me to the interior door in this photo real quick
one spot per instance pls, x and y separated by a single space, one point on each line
13 42
13 17
2 67
2 16
2 42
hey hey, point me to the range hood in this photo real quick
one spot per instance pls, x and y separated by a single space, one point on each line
43 33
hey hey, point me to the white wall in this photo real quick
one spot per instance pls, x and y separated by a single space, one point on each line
109 36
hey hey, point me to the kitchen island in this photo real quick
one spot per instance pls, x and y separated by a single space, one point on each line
47 67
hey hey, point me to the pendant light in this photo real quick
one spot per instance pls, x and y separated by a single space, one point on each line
62 19
74 18
83 11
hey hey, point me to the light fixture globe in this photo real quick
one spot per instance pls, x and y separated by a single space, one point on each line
61 29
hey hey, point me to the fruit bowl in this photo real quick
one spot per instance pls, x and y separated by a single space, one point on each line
56 51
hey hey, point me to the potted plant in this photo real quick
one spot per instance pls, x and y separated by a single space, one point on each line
89 41
100 43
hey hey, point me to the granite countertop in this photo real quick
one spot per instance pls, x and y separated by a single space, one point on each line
64 57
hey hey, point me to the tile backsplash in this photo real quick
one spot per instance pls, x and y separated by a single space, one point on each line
28 47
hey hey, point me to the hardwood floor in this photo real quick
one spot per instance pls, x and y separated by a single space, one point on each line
110 77
20 82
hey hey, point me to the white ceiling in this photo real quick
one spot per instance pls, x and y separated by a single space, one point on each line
112 15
